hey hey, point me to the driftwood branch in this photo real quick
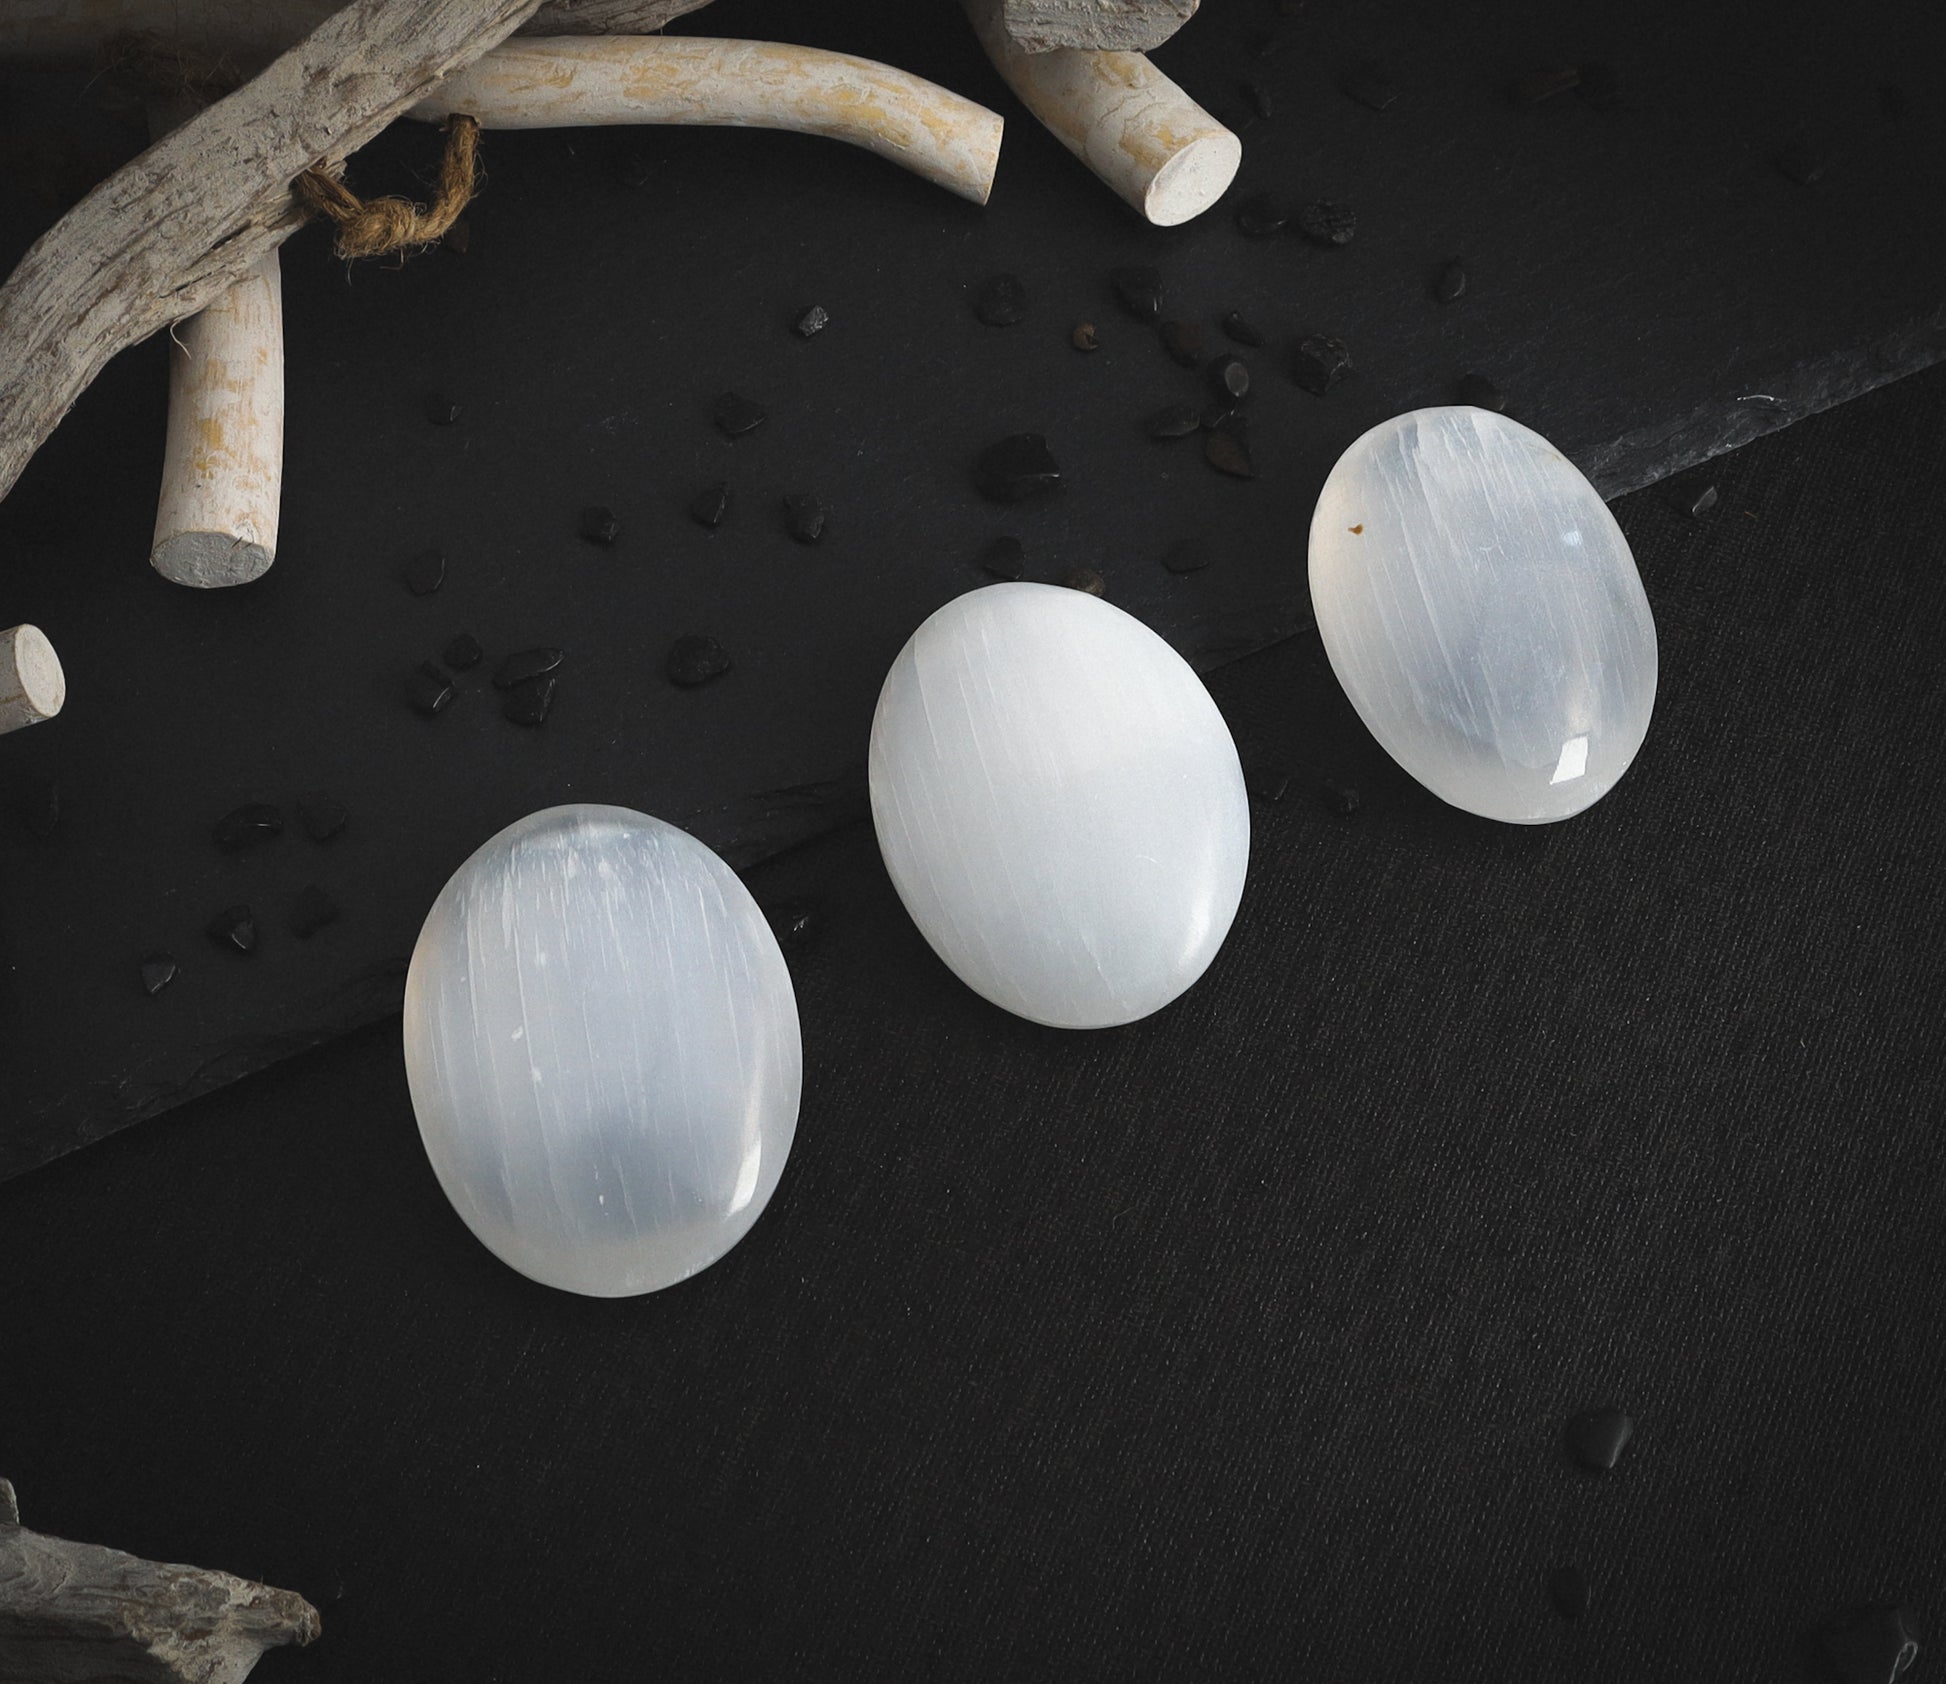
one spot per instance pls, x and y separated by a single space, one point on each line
174 229
80 1614
1096 26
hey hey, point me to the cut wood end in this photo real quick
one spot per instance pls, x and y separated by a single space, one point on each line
210 560
32 685
1193 180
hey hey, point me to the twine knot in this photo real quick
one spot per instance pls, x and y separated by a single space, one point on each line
375 227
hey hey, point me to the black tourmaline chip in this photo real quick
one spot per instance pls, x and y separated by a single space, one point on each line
1084 337
1873 1645
234 928
696 660
1801 159
463 652
1481 393
1185 555
1368 87
1697 503
1229 377
1599 87
1178 421
796 924
1000 301
430 690
1336 797
40 807
814 320
1017 468
425 572
1327 224
1320 364
708 506
1183 341
1267 779
524 664
1085 579
1543 84
320 815
1241 330
311 910
734 416
804 517
1596 1438
441 411
1567 1589
1227 449
528 701
1259 98
1451 281
1220 414
1140 290
158 971
1262 214
599 525
1004 558
246 826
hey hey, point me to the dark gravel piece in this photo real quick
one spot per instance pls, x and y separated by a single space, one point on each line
1567 1589
1872 1645
524 664
1698 503
599 525
1178 421
311 910
1257 96
1596 1438
1186 555
1084 337
1017 468
796 924
1544 84
1368 87
430 690
425 572
1183 341
1227 450
1320 363
708 506
234 928
1263 214
40 807
1239 329
527 702
1327 223
1451 281
1085 579
734 416
1336 797
158 971
462 652
1600 87
247 826
814 320
1801 158
1229 377
804 517
1267 780
1004 558
1220 414
1140 290
1481 393
321 816
441 411
696 660
1001 301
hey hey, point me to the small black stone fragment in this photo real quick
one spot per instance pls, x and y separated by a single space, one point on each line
814 320
1599 88
1229 377
425 572
1220 414
1259 100
796 924
1698 503
1596 1438
1001 301
1140 290
311 910
1320 364
1801 159
1227 450
599 525
441 411
734 416
40 807
1085 579
247 826
158 971
524 664
1185 555
1567 1589
1263 214
1084 337
1451 281
1369 88
1336 797
1017 468
528 702
1004 558
463 652
1872 1645
429 690
234 928
1267 780
1178 421
1481 393
696 660
1241 330
1183 341
1543 84
1327 223
708 506
804 517
321 816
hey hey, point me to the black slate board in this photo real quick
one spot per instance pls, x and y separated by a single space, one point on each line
1647 288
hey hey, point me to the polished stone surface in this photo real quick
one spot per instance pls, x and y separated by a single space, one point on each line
1483 612
602 1046
1059 804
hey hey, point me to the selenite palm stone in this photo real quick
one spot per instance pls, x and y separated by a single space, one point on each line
1483 612
602 1046
1059 804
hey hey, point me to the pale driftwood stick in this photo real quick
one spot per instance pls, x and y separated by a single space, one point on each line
80 1614
32 684
543 84
1095 26
1123 118
169 232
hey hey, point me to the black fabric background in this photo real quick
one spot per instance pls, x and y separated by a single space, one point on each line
1234 1343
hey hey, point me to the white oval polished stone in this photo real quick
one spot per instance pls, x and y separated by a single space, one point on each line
1059 804
602 1046
1483 612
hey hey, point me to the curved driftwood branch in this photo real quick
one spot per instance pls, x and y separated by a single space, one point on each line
536 83
172 230
32 685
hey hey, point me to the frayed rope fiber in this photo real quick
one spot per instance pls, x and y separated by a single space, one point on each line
376 227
